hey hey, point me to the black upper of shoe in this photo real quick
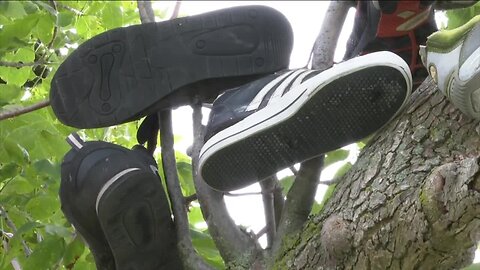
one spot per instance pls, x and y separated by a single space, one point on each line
365 37
84 172
236 104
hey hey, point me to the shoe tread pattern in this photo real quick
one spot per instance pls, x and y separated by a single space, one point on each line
118 75
344 111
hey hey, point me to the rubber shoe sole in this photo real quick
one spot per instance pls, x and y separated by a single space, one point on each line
336 107
126 73
114 198
464 85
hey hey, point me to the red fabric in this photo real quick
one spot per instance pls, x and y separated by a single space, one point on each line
389 23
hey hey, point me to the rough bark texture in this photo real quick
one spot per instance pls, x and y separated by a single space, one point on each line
410 202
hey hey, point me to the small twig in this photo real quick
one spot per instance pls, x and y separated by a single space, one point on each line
24 110
20 64
261 233
176 10
55 28
69 8
12 227
269 209
146 11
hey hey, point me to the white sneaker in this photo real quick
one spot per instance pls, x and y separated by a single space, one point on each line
452 58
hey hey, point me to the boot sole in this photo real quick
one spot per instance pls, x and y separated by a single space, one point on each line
465 89
121 75
131 211
339 106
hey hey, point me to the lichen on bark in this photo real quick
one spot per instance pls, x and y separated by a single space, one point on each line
411 201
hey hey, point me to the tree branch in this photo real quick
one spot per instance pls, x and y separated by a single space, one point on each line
69 8
326 42
20 64
146 11
269 208
189 256
176 10
16 112
299 201
232 243
278 201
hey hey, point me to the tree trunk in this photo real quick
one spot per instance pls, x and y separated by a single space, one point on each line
411 201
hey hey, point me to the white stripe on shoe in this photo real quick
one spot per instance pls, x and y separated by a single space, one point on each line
110 182
283 86
261 95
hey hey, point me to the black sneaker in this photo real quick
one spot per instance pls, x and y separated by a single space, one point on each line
256 130
396 26
114 198
126 73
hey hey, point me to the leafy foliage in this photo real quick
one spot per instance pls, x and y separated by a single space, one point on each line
458 17
36 235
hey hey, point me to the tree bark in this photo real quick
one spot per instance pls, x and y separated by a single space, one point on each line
411 201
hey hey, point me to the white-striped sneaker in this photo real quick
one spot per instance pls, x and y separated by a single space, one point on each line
272 123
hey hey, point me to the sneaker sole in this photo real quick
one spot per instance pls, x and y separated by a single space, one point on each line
465 83
131 210
121 75
337 107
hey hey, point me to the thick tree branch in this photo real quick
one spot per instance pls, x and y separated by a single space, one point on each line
299 201
189 256
326 42
17 112
234 245
269 208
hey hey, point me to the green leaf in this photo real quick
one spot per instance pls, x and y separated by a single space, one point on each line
342 170
65 18
42 207
46 254
18 185
13 150
44 29
57 230
9 93
15 9
73 252
335 156
112 15
9 170
185 176
286 183
11 34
